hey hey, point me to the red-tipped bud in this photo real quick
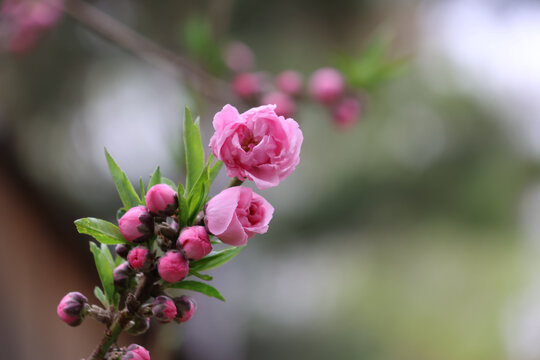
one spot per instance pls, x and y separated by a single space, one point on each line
139 258
185 307
195 242
121 274
246 85
346 112
164 309
138 326
239 57
284 103
71 308
136 352
136 225
173 266
326 85
289 82
161 199
122 250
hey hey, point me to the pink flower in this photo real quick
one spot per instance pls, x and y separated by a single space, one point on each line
161 199
239 57
284 103
346 112
290 82
136 225
185 307
71 308
326 85
164 309
236 214
246 85
139 258
258 144
136 352
195 243
173 266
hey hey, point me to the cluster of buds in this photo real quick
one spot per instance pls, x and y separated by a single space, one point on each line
326 86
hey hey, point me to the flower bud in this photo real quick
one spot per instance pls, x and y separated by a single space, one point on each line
195 242
185 307
136 352
122 250
173 266
164 309
326 85
346 112
239 57
121 274
161 199
289 82
138 326
71 308
246 85
139 258
136 225
284 103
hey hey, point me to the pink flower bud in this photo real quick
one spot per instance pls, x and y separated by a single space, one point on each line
136 352
326 85
164 309
122 250
71 308
290 82
139 258
121 274
239 57
284 103
138 326
246 85
161 199
185 307
136 225
173 266
346 112
236 214
195 243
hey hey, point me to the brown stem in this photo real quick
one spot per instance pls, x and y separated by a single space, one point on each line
235 182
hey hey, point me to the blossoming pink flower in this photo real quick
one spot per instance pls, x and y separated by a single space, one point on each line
284 103
236 214
258 144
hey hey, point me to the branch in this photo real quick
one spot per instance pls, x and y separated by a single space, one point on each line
148 50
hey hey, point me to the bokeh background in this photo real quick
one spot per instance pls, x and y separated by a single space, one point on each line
413 235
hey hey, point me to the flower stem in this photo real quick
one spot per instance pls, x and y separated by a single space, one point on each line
235 182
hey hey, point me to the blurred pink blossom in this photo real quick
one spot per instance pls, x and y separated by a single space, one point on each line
239 57
284 103
290 82
347 112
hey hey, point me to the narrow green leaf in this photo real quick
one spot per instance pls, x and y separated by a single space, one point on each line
214 171
155 178
197 197
169 182
118 260
119 213
201 276
105 272
215 259
183 209
101 296
199 287
103 231
193 149
106 252
127 193
143 193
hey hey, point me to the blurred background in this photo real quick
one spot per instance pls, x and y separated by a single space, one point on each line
412 235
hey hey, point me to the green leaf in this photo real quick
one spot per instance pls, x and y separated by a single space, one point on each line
183 209
197 197
143 193
214 171
199 287
119 213
127 193
105 251
215 259
155 178
201 276
103 231
105 272
169 182
193 149
101 296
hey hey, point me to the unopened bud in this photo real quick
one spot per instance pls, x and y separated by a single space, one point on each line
138 326
185 307
164 309
195 242
71 308
136 225
121 274
173 266
136 352
162 200
139 258
122 250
